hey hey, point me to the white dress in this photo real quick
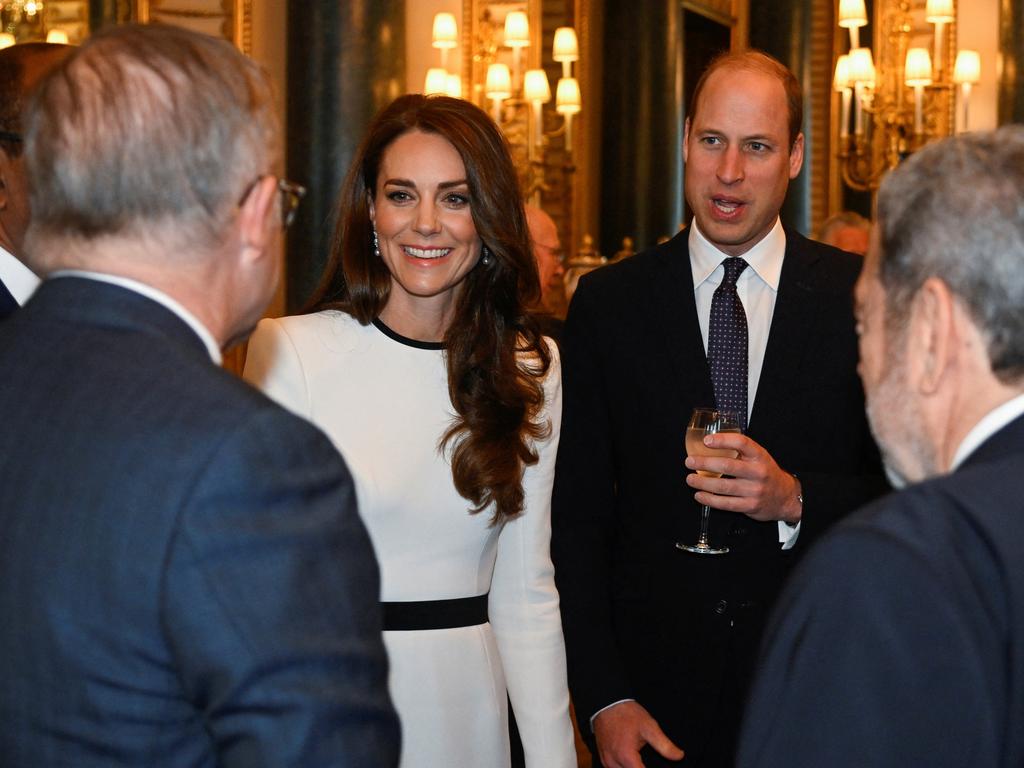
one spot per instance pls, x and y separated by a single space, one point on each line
385 404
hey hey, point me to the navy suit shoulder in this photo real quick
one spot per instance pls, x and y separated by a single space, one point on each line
193 582
902 632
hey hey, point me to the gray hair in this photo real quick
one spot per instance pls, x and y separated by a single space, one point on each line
955 210
148 128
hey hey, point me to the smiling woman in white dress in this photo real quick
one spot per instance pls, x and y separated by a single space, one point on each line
421 363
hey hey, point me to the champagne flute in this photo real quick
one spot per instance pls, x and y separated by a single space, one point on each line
708 421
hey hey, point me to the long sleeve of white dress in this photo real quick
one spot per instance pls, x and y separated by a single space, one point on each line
523 605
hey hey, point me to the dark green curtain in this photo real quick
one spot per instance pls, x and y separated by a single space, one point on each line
641 158
784 33
346 60
1011 48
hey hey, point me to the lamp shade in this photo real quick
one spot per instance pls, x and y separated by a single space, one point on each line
436 81
939 12
862 66
852 13
918 69
566 47
6 40
517 30
454 88
499 82
842 81
536 86
567 96
58 36
446 31
967 68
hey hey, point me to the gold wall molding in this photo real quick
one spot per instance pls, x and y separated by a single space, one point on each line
229 19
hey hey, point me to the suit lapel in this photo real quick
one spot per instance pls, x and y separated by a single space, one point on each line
676 312
793 325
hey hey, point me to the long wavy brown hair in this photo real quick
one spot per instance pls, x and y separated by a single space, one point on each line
495 355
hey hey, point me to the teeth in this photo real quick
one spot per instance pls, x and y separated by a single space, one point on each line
426 253
727 207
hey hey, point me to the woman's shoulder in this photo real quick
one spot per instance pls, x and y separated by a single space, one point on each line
317 332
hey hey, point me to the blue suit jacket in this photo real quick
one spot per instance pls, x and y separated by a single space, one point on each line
184 580
900 640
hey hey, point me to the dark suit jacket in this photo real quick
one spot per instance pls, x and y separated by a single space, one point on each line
643 620
184 580
7 302
901 636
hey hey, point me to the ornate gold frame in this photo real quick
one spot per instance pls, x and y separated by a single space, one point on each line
230 19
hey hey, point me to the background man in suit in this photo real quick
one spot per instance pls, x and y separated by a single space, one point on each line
901 637
21 66
661 642
184 578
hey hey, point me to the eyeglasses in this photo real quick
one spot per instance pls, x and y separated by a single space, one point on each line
291 196
8 136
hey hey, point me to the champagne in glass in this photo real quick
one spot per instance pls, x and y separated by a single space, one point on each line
707 421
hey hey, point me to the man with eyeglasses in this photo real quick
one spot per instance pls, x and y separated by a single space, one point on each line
21 67
184 577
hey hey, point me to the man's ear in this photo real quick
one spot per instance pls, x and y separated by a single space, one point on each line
259 215
796 156
934 334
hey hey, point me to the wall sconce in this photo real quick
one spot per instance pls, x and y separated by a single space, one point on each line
444 37
905 98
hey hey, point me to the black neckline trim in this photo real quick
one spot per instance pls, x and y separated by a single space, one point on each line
435 345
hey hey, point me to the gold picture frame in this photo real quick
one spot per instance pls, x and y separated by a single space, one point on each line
229 19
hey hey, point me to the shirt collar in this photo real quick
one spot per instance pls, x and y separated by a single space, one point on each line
156 295
991 423
19 279
765 258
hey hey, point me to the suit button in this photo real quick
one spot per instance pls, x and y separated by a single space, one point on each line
721 606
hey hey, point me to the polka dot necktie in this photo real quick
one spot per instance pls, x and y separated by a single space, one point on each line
727 343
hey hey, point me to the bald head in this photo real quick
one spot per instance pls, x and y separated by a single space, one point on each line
21 67
547 250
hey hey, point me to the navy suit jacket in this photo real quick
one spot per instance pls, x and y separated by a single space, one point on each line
7 302
900 640
676 631
184 580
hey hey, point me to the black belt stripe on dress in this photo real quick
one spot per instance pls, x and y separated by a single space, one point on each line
435 614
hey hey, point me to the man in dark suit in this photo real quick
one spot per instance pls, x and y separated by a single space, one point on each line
661 642
21 66
184 578
900 640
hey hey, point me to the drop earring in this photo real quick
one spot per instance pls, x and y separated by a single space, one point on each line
376 244
485 256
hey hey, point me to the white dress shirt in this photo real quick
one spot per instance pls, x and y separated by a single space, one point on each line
159 297
991 423
19 279
758 287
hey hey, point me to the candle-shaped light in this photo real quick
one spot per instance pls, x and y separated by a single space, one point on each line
853 16
565 49
436 81
498 88
517 37
862 73
841 83
445 35
940 13
567 104
918 74
58 36
966 73
537 91
454 88
6 40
